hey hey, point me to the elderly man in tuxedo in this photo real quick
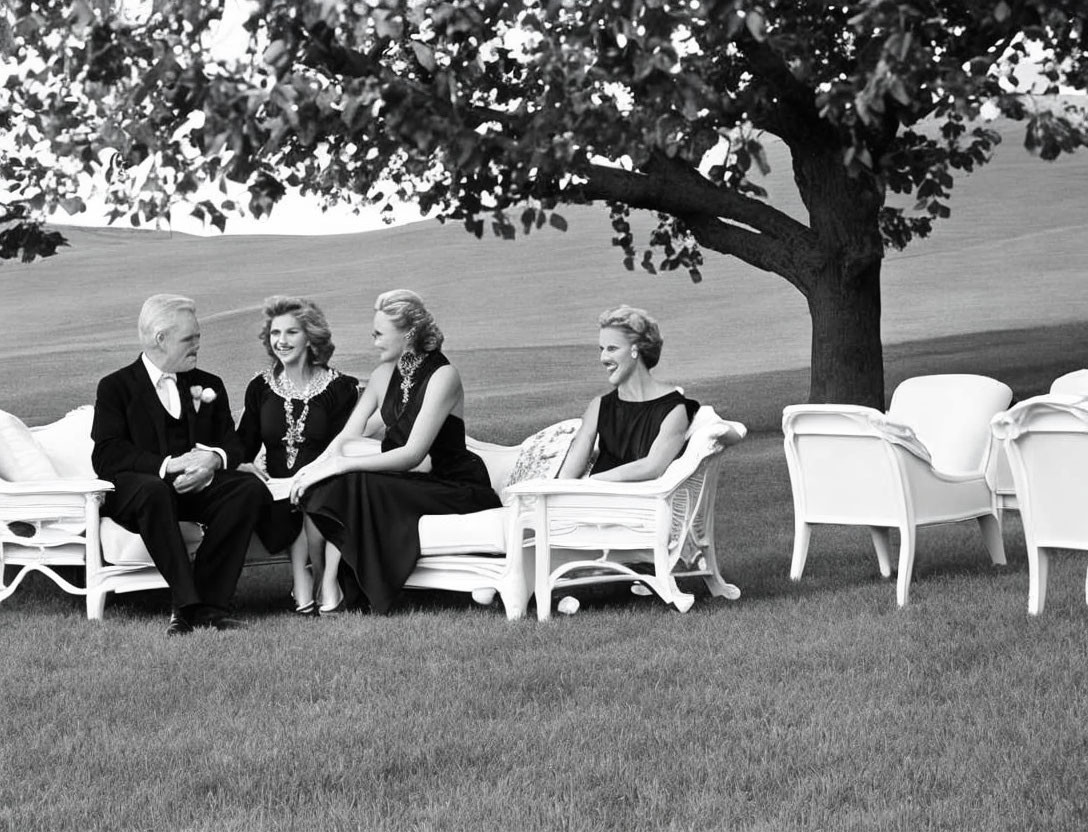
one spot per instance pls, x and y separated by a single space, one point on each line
164 436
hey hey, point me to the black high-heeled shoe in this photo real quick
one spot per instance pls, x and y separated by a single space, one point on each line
307 610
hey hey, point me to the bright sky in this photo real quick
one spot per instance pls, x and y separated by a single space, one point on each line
294 214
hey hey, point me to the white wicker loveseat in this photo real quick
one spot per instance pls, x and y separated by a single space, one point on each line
49 517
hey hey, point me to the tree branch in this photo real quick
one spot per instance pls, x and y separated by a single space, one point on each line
782 105
772 240
796 265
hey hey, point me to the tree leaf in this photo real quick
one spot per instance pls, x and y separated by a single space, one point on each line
756 23
425 55
73 205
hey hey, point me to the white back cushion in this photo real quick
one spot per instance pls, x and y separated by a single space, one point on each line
1072 383
21 458
68 443
951 415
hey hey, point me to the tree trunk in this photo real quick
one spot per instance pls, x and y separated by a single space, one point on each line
847 355
844 295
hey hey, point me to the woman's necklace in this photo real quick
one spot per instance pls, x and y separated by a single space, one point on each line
295 436
408 363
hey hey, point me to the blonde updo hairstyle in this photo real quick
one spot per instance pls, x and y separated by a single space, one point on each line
406 311
641 330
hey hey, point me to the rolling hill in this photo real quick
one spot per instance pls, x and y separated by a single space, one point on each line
519 316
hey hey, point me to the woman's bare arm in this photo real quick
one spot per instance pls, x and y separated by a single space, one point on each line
581 447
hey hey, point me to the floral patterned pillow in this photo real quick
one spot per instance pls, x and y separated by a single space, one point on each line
542 454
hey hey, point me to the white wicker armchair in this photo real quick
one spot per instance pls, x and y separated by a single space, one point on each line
666 524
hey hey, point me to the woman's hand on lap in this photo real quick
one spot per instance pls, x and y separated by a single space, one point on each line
305 478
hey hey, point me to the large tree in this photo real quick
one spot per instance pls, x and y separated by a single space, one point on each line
494 113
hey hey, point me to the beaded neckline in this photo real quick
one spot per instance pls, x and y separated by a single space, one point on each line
282 386
285 389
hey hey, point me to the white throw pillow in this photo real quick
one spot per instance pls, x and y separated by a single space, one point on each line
68 443
21 458
542 454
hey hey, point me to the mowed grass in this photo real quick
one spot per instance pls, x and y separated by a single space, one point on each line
815 705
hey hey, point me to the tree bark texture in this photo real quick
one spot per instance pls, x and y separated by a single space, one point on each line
847 354
844 294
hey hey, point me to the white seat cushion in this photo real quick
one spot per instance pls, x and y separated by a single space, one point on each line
122 547
482 532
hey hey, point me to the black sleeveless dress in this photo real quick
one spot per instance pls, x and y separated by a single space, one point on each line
373 518
627 430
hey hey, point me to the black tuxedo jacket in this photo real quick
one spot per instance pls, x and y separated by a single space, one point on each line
129 428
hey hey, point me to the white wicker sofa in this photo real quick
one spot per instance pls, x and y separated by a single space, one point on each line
49 517
50 498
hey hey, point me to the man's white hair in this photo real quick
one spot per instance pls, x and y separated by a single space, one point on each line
159 314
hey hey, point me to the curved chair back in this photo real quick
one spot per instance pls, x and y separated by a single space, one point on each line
951 415
1074 383
840 467
1046 440
998 474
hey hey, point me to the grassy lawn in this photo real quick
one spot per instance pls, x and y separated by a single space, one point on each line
816 705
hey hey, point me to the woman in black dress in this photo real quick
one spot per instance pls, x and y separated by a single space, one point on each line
640 425
293 409
369 505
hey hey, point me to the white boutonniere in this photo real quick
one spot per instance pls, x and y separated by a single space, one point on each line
201 395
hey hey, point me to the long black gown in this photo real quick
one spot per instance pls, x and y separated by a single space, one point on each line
373 518
627 430
264 422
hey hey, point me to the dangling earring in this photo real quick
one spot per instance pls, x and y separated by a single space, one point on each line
634 352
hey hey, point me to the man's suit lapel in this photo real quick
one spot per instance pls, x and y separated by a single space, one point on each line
149 399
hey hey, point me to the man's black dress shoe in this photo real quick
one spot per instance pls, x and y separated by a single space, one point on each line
215 618
225 622
179 625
